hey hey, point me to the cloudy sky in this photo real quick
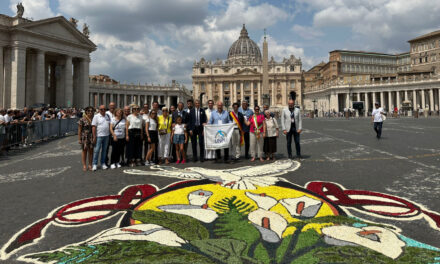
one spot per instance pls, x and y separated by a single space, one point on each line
157 41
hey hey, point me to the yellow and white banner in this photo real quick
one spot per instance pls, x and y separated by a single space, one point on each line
218 136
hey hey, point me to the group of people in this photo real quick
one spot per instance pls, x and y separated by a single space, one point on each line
143 136
16 125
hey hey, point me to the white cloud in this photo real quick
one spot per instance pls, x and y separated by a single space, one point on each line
378 25
33 9
308 33
254 16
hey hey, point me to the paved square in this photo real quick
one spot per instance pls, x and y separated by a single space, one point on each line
403 164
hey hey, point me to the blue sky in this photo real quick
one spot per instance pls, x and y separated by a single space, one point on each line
157 41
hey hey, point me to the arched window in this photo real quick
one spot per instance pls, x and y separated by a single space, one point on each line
292 68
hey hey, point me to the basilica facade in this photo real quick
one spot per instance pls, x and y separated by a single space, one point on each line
247 74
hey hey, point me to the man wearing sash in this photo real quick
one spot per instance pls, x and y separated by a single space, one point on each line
238 135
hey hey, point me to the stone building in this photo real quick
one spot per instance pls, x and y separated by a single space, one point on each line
394 80
247 75
43 61
106 90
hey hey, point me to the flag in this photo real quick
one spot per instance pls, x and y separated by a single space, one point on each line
218 136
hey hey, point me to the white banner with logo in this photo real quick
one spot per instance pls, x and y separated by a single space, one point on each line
218 136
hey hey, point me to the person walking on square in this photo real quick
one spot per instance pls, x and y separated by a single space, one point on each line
237 135
377 119
291 124
85 139
101 132
220 117
164 123
271 132
152 136
247 113
197 119
117 131
133 135
179 137
256 125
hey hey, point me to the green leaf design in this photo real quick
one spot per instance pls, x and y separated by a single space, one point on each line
297 244
184 226
122 252
231 203
234 224
224 250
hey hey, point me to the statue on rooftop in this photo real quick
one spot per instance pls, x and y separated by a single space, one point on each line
86 30
74 21
20 10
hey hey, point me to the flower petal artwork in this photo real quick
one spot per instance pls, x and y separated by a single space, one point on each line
241 215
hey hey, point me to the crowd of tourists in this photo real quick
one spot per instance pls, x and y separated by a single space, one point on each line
147 136
16 125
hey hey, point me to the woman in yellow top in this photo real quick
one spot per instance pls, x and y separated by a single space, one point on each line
164 128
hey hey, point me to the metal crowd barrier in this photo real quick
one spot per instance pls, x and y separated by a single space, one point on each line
35 131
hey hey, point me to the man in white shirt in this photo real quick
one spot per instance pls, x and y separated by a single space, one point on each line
101 132
376 118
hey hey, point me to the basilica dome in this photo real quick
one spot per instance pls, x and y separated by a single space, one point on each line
244 48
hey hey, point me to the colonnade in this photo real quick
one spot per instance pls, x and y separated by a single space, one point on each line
29 76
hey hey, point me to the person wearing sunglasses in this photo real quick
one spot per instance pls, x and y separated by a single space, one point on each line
134 136
101 132
85 137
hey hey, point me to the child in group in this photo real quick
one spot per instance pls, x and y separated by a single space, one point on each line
179 137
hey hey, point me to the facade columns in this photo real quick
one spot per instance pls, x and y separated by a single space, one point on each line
406 95
241 91
333 102
374 98
423 99
347 100
431 100
259 92
273 93
68 82
252 102
221 92
358 97
398 100
18 77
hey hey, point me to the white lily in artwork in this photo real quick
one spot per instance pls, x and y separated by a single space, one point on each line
375 238
143 232
302 206
197 208
270 224
242 178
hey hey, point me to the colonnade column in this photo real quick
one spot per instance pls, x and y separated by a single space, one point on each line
431 100
382 99
273 93
18 77
414 100
358 97
347 100
398 99
422 94
68 82
374 98
367 108
84 83
406 95
2 86
390 102
39 77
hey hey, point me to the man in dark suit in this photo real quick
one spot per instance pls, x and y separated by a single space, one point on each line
197 118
